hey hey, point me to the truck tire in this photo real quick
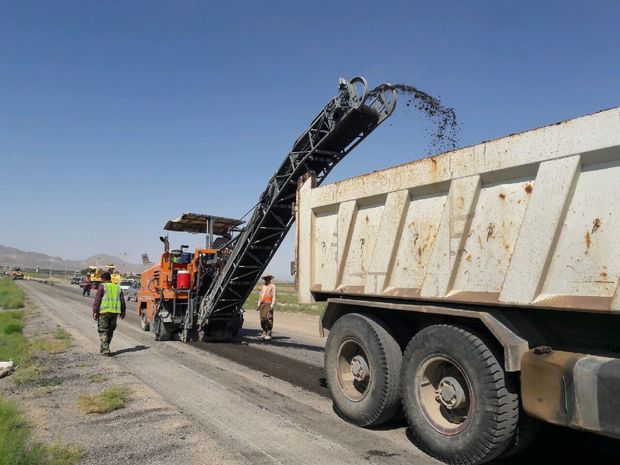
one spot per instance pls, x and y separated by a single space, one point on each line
527 431
144 321
362 369
461 406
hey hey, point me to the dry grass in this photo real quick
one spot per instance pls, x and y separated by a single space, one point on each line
47 390
28 374
96 378
50 346
60 342
112 398
61 333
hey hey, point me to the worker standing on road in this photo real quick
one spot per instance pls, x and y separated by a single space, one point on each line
266 303
86 287
109 304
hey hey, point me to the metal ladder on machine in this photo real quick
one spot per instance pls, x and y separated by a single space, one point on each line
344 122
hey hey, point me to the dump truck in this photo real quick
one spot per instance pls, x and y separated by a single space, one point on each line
476 291
210 307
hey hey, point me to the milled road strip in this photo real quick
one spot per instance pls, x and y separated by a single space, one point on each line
264 419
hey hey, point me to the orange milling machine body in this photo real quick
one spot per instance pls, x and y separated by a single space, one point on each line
157 283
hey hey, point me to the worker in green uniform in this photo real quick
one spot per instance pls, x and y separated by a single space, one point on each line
109 305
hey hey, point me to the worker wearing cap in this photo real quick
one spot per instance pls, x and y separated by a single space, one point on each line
266 303
109 305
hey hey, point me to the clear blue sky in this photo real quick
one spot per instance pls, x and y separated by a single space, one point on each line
116 116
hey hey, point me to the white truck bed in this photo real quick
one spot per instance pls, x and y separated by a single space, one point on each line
528 220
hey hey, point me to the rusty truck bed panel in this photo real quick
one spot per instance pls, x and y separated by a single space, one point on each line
529 220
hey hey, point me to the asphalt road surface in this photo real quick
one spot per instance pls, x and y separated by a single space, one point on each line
267 403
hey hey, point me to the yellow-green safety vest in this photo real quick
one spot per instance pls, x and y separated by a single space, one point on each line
111 301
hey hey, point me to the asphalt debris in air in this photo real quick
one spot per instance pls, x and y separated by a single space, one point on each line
445 128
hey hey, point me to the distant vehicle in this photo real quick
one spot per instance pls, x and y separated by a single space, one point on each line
76 280
132 292
16 273
95 274
126 284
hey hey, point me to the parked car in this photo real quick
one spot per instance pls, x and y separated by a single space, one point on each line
132 292
76 280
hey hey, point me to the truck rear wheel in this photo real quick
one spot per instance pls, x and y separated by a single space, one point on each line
527 431
362 368
460 405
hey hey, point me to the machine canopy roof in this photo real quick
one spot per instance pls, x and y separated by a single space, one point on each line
196 223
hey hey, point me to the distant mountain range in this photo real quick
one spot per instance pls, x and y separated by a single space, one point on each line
10 256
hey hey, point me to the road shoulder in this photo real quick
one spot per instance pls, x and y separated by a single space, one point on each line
147 431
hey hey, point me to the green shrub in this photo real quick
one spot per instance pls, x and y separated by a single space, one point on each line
13 327
13 344
11 295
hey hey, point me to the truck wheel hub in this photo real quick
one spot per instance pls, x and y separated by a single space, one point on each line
450 393
353 371
444 394
359 368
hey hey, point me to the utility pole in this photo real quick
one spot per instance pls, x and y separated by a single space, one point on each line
123 256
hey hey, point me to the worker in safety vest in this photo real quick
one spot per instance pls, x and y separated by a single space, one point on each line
266 303
109 304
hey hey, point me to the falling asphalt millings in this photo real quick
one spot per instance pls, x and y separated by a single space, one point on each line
444 135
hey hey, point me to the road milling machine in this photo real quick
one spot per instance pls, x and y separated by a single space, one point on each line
201 294
171 290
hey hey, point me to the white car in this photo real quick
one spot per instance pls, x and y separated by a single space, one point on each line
132 292
124 285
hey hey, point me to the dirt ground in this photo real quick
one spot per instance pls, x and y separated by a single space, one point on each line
147 431
240 414
246 402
